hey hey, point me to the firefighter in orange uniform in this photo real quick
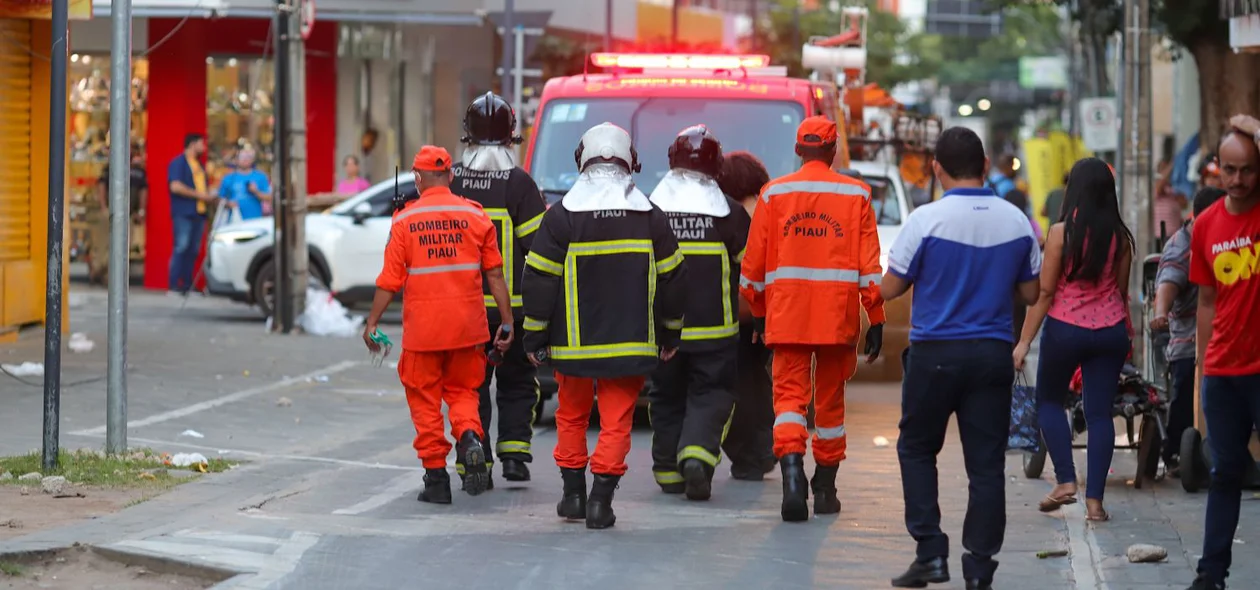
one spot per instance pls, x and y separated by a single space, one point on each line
440 245
813 254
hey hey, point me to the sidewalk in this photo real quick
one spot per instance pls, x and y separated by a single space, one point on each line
327 500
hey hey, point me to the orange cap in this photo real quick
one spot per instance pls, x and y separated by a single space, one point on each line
816 131
431 158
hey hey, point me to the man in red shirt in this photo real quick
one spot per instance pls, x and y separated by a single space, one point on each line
1225 262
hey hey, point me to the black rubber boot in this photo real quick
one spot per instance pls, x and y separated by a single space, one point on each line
599 511
473 456
463 479
437 487
515 470
572 505
698 478
795 488
824 486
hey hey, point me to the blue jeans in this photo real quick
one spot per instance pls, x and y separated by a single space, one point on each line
186 230
1231 408
1100 354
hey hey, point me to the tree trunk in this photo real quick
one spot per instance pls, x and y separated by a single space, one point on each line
1229 84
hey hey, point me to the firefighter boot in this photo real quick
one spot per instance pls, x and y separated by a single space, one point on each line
515 470
698 480
824 486
473 456
437 487
599 511
795 488
572 505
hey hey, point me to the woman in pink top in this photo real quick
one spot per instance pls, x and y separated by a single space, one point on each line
353 184
1084 282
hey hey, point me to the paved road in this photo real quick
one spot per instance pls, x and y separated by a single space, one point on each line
327 500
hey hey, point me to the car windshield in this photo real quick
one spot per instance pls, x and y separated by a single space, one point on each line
766 128
884 200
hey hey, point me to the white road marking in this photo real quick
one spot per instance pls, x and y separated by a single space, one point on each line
1083 548
227 399
395 489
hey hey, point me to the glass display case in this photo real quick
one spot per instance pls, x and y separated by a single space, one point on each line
239 112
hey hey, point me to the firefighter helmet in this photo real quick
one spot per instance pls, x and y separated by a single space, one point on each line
696 148
489 120
607 142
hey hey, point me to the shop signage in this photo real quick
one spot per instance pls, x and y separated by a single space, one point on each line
1100 128
42 9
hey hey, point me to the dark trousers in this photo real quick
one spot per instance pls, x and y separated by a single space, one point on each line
516 394
1231 407
1181 407
972 379
186 233
1100 355
692 397
750 440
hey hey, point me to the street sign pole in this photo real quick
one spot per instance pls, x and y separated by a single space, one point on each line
119 226
505 81
282 314
518 66
56 226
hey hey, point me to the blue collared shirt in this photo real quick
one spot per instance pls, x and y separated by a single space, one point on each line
965 255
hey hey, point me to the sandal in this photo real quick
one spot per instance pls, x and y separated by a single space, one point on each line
1052 503
1101 516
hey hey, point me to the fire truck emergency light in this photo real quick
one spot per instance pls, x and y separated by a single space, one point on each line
678 61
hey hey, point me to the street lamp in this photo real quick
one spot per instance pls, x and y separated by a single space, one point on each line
965 110
984 104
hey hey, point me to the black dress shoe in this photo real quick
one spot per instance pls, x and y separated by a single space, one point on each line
924 572
979 585
515 470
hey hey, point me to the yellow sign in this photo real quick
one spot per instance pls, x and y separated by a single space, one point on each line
42 9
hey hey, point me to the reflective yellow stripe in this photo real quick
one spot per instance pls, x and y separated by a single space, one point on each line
541 264
697 452
691 248
715 249
571 316
740 257
507 248
517 301
573 332
670 263
534 325
674 324
667 477
459 467
611 247
603 351
529 227
712 333
511 446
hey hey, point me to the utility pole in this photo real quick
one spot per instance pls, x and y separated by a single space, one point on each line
283 320
608 25
295 196
1135 140
56 227
119 225
518 67
509 15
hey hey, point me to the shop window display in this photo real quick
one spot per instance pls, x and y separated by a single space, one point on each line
239 112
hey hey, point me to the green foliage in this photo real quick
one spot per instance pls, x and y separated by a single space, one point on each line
139 468
10 569
1183 21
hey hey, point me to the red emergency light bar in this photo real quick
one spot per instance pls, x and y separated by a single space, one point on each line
678 61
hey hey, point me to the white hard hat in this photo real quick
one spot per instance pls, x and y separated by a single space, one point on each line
609 142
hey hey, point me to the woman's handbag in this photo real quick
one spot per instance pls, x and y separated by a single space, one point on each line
1024 433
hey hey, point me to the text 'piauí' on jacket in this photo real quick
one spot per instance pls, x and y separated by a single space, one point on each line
439 246
713 248
813 254
514 204
605 290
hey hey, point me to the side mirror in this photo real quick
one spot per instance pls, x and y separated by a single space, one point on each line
361 212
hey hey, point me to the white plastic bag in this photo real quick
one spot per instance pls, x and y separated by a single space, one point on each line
186 459
325 316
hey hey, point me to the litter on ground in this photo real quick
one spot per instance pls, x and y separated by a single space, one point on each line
192 433
325 316
79 343
27 369
187 459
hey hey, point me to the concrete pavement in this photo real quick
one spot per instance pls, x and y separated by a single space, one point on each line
327 499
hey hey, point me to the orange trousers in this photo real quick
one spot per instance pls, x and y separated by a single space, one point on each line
430 378
793 390
617 398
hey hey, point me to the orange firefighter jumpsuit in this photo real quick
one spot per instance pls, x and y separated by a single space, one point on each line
439 246
813 253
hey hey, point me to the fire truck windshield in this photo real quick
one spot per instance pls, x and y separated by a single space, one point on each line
767 128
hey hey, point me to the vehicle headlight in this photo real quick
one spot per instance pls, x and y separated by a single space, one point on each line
238 236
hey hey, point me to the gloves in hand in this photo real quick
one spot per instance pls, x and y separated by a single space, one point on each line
874 341
759 325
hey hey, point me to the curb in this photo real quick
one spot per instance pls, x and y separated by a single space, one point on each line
223 578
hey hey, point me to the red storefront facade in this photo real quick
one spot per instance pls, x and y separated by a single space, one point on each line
177 106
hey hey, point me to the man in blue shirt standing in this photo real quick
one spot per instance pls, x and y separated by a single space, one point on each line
247 187
190 198
965 255
1002 177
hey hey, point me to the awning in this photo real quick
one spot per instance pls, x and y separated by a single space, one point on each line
371 13
1236 8
165 8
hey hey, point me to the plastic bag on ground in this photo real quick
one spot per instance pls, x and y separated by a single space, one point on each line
186 459
325 316
27 369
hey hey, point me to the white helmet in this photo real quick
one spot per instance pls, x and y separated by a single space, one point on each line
609 142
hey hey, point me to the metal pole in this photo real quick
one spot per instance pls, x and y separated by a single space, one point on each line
752 13
119 225
1136 143
280 171
608 25
295 184
509 14
56 228
518 68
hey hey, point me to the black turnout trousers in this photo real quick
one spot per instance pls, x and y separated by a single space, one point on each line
750 439
971 379
691 401
516 394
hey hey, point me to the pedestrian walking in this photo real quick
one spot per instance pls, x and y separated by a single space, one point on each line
1019 199
693 394
488 174
964 255
1052 209
1002 177
1176 309
440 247
190 199
750 440
605 291
1084 305
1223 252
246 188
812 261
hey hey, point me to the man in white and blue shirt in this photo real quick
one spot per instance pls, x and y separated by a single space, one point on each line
965 255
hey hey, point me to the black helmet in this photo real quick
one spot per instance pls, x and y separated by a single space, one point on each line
696 148
489 120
